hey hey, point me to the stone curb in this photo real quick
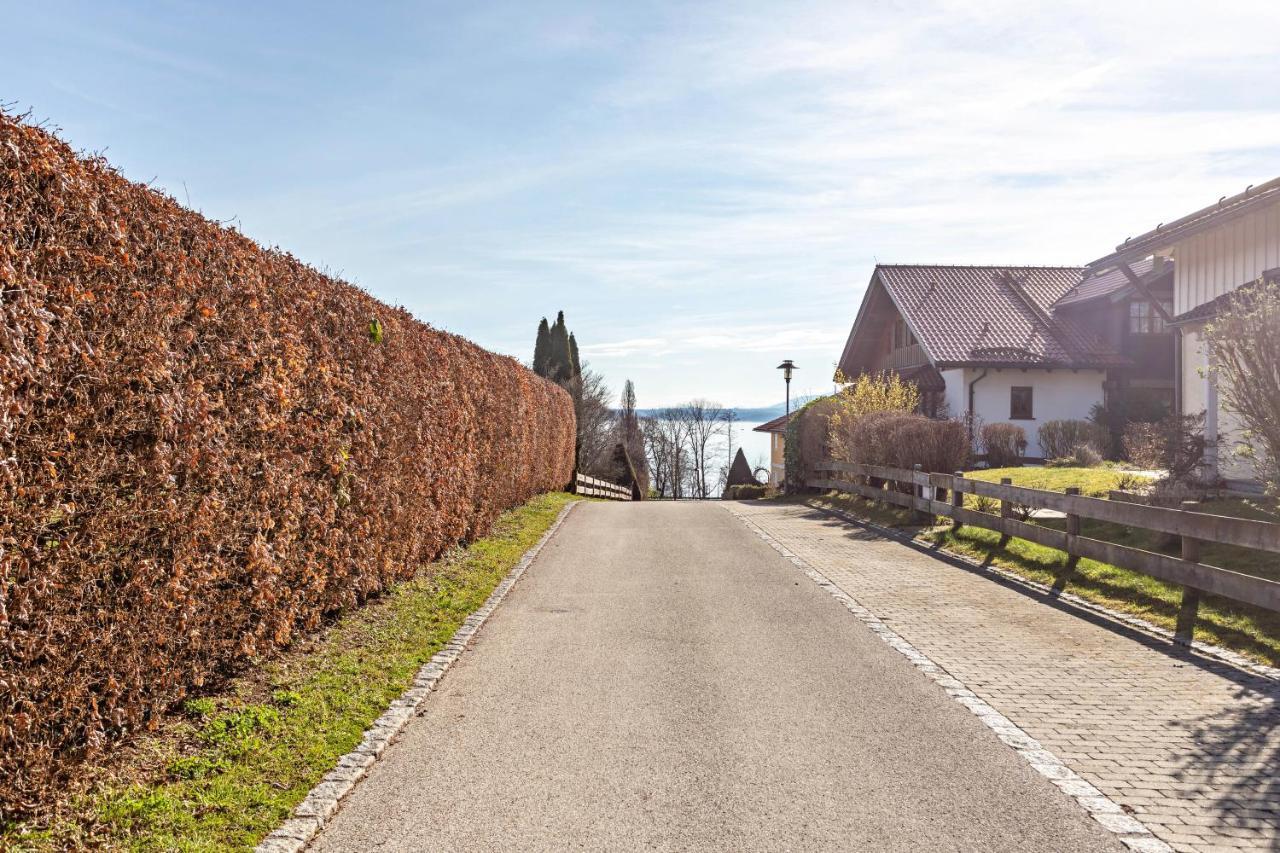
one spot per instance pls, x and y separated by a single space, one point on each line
1131 832
323 801
1219 653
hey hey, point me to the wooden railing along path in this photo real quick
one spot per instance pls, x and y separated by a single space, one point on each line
943 494
597 488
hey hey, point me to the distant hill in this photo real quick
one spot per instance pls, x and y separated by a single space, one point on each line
750 415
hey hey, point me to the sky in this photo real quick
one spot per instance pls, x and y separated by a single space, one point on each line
704 188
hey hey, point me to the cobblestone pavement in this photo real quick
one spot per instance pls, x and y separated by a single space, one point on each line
1188 745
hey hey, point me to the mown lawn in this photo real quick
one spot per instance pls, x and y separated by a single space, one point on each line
1248 630
230 767
1093 482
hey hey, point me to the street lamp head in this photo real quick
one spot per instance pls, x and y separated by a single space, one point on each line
786 367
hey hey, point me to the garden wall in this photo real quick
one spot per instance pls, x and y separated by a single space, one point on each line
205 447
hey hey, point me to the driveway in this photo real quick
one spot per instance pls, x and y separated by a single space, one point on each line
662 679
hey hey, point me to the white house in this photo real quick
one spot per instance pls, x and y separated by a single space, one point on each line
1015 344
1217 249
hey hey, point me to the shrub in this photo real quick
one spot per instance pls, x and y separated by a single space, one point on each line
901 441
807 441
205 447
1143 445
1086 456
744 492
1127 405
870 393
1004 444
1245 341
1176 444
1061 439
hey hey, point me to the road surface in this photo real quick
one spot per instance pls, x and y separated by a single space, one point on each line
661 679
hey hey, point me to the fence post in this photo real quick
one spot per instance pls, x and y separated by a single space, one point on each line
918 493
957 500
1006 511
1187 612
1073 529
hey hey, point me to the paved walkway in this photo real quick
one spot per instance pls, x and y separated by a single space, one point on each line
662 679
1188 746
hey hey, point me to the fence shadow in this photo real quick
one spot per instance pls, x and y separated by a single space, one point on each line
856 529
1234 767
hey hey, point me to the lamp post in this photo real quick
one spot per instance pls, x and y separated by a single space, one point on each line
786 367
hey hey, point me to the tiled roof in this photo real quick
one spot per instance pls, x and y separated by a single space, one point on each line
775 425
993 315
925 376
1103 284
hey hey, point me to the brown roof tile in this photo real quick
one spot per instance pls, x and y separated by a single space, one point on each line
1103 284
993 315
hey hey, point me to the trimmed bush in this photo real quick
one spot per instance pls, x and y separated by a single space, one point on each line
1004 444
206 447
744 492
1060 439
901 441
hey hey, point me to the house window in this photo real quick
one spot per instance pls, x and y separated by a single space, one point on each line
1145 320
1020 403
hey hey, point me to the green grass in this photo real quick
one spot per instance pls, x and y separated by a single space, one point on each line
1249 630
1094 482
228 768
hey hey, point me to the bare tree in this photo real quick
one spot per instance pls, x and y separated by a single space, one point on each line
702 420
1244 340
596 438
664 439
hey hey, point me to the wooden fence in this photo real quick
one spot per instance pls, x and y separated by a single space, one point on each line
943 494
597 488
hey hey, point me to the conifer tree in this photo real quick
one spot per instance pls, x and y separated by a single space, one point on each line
542 349
575 366
560 368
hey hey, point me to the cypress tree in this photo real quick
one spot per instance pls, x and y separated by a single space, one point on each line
559 369
542 349
574 364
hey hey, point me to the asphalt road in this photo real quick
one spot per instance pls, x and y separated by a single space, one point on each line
661 679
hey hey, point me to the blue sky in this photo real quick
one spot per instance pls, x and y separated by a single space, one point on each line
702 187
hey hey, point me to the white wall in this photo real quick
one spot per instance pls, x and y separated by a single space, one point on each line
1195 395
1058 395
1220 260
1209 265
957 392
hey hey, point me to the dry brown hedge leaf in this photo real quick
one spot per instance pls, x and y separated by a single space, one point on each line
202 452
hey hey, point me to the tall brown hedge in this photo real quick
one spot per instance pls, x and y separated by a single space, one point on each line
205 447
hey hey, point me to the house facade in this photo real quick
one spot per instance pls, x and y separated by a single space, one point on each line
777 430
1016 344
1215 251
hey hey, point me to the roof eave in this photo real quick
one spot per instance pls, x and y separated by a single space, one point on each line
1036 365
1163 237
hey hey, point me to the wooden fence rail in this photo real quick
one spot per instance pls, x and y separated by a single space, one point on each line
943 494
597 488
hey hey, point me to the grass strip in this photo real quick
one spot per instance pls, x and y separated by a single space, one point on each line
227 768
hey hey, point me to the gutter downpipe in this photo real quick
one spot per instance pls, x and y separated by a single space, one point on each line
985 371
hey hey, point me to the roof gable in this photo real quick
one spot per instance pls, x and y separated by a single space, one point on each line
983 315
